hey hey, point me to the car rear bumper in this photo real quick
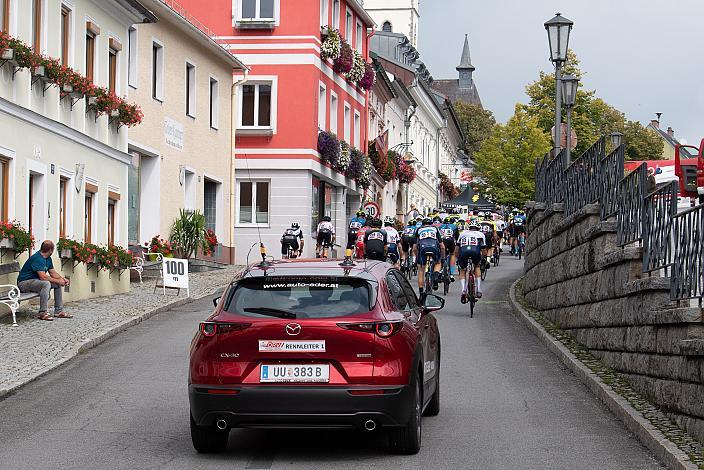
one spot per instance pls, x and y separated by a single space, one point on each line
301 407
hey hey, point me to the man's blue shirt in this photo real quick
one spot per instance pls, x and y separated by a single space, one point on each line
33 265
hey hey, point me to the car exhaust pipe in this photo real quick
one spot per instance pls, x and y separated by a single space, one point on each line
221 424
370 425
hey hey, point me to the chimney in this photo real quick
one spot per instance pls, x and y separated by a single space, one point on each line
655 123
671 132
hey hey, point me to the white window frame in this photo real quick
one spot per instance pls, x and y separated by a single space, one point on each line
347 122
67 175
334 113
96 50
238 209
132 57
190 89
190 186
349 24
237 8
336 14
357 129
322 105
214 102
324 12
10 155
160 61
118 65
272 80
359 31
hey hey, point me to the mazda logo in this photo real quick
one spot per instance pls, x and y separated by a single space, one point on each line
292 329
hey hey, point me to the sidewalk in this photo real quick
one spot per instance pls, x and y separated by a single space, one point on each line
37 347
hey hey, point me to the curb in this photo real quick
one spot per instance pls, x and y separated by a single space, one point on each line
664 449
107 334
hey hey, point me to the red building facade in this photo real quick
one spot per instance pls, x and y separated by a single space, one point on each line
289 95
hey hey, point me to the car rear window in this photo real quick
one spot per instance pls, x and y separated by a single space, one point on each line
304 297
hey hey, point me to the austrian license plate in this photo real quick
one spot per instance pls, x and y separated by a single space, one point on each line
288 373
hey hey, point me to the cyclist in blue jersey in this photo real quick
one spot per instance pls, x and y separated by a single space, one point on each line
448 232
428 244
408 239
469 247
356 223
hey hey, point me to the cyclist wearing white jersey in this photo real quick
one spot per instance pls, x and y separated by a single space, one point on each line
392 240
325 237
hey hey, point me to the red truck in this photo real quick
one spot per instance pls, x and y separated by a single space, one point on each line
689 168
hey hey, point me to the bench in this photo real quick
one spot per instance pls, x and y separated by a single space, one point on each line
10 294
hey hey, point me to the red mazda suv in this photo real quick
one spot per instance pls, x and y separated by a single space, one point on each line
316 344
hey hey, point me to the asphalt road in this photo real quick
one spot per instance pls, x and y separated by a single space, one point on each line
506 403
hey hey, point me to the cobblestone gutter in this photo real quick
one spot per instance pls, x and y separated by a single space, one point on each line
37 347
670 443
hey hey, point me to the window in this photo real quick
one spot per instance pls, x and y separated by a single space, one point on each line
210 204
90 56
112 70
321 198
32 200
360 37
88 218
255 108
5 15
333 112
324 12
357 130
132 57
37 26
347 123
398 296
348 26
258 9
189 190
65 34
386 27
111 221
322 106
336 14
214 102
190 90
157 71
63 200
254 202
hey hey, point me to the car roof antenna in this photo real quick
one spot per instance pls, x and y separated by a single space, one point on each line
348 262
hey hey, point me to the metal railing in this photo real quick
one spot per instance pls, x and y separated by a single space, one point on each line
581 182
630 206
610 175
659 209
554 176
688 259
540 179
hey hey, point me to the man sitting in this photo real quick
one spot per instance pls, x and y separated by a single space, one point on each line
38 275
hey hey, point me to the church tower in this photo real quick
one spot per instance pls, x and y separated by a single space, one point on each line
466 69
397 16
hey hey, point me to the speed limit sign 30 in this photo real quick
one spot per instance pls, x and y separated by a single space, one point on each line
372 209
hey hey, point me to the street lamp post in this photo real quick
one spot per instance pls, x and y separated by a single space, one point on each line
569 95
558 29
616 138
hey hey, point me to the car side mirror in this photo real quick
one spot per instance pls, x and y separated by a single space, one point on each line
432 303
216 300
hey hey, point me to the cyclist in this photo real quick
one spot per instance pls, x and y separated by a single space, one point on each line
392 239
448 232
359 243
375 240
437 221
512 235
357 222
408 239
489 230
428 245
290 239
325 237
520 234
469 246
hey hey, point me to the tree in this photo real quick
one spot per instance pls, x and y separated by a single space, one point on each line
506 160
476 122
592 117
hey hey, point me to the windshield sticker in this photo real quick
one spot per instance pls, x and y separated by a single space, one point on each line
289 285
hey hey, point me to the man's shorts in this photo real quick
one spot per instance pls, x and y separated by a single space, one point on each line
351 238
289 241
375 255
325 237
488 240
424 251
407 243
393 252
469 252
449 245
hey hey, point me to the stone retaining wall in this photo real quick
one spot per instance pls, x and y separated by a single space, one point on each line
578 277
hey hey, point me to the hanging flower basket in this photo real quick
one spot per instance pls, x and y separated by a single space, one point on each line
345 61
332 44
367 81
344 161
7 54
328 147
115 113
356 73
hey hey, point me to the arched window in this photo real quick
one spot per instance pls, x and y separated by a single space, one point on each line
386 27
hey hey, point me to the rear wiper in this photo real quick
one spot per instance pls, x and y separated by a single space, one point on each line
272 312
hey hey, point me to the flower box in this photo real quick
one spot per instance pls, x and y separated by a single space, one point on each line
66 254
7 54
39 71
115 113
92 101
67 88
7 244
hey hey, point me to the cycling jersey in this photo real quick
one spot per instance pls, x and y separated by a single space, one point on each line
470 243
290 239
392 235
357 222
326 226
428 239
325 232
374 243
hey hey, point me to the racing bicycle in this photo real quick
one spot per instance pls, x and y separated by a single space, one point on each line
520 246
496 255
445 274
429 274
471 288
483 266
407 266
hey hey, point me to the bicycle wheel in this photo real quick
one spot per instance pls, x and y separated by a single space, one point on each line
483 270
520 252
470 294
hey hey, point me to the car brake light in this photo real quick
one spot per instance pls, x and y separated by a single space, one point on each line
208 328
367 392
382 329
212 328
223 392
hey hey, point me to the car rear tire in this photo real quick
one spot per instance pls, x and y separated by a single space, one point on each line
407 440
208 440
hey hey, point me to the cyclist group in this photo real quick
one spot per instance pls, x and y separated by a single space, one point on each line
446 241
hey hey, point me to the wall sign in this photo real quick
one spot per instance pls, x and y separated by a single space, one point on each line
174 134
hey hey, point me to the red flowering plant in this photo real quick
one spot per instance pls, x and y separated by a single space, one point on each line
105 101
210 242
159 245
4 40
87 253
406 173
13 231
345 61
24 55
130 114
114 257
367 81
67 245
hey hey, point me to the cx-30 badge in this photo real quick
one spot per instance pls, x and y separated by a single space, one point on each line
292 329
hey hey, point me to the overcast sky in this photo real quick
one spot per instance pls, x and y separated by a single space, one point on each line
641 56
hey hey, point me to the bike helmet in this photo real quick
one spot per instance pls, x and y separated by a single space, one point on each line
376 223
427 221
447 220
326 218
473 225
412 222
295 226
361 214
388 221
437 219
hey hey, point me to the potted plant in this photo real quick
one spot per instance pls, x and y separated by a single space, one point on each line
367 81
345 61
210 242
188 232
67 247
356 72
159 245
15 237
89 253
329 147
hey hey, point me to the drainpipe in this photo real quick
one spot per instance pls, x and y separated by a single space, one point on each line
233 189
437 157
407 124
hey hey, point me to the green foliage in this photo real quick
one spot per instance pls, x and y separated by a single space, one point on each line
476 122
592 117
506 160
188 232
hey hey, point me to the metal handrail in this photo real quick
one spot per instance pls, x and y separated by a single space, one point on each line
554 179
630 206
659 209
610 174
688 258
582 178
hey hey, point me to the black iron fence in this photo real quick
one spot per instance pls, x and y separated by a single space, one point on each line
581 180
687 279
554 176
659 209
610 176
540 179
631 198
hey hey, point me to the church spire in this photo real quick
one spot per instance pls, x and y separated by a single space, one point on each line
465 68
